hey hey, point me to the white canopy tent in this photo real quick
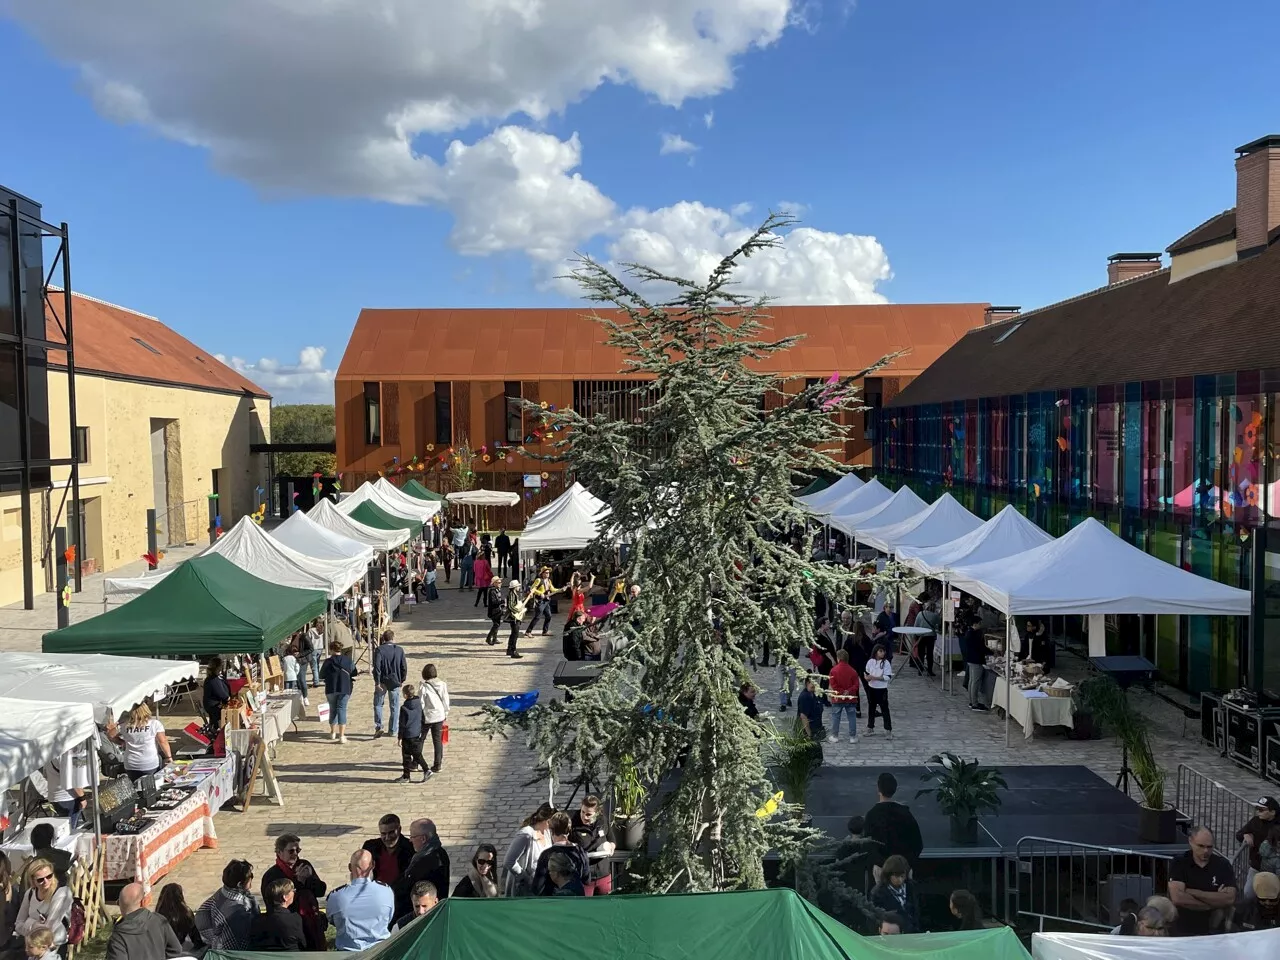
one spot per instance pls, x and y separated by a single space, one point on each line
1092 571
869 495
106 683
326 515
126 588
837 491
32 734
406 506
572 524
901 506
1249 945
411 507
484 498
250 549
941 522
303 534
1005 534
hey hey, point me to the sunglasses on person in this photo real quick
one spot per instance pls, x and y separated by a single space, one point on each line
484 861
43 879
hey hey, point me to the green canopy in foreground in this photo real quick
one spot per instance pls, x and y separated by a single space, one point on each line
415 489
372 515
207 606
764 924
819 484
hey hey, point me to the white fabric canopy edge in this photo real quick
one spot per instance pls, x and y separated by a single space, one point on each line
32 734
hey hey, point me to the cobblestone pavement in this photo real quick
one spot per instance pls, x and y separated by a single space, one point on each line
334 794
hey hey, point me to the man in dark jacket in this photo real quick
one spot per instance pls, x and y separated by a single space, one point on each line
892 825
390 849
139 934
389 672
973 644
561 827
497 610
503 545
430 862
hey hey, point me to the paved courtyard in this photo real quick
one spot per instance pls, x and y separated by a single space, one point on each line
334 794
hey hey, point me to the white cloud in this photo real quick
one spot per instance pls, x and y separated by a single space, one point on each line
674 143
791 208
709 119
307 381
741 209
346 105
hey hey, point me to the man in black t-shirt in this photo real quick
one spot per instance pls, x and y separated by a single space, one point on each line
1202 886
892 825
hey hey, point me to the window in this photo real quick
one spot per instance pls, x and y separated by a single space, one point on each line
515 416
82 444
1008 333
143 343
444 413
373 414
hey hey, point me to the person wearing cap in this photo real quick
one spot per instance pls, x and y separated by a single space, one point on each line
1254 833
515 613
1262 911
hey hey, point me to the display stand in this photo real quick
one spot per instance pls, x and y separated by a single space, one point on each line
272 675
259 765
86 886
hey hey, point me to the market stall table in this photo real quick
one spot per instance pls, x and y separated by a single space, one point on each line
1030 707
173 834
909 637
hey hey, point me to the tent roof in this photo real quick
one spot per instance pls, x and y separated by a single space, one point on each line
569 523
485 498
825 497
372 515
105 683
250 549
399 505
132 586
1091 570
326 515
1005 534
416 489
1239 945
392 497
901 506
942 521
306 536
207 606
742 925
870 494
816 485
32 734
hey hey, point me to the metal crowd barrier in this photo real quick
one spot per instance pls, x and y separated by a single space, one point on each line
1078 884
1204 802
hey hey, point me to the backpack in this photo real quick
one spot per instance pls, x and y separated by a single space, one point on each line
76 923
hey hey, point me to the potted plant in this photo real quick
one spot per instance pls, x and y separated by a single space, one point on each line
1107 702
1085 724
796 759
963 789
629 795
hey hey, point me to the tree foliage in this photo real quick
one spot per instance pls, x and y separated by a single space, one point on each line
702 482
303 423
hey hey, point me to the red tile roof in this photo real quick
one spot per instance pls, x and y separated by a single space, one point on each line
120 342
551 344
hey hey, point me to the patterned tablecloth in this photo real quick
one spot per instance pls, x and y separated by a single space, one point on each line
176 833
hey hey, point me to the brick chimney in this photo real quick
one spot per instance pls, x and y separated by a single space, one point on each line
996 314
1126 266
1257 194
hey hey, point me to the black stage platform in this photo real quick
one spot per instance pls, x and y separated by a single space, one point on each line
1069 804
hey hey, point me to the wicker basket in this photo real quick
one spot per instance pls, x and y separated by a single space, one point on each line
1059 691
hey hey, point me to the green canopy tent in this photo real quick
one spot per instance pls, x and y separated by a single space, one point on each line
415 489
372 515
821 483
207 606
765 924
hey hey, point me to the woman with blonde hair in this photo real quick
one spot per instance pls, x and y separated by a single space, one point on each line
144 742
45 904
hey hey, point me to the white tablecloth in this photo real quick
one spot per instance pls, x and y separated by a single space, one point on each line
1028 711
278 712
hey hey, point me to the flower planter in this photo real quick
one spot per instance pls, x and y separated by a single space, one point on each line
1158 826
629 832
964 830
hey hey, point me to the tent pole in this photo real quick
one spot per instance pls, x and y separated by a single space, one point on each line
95 780
946 633
1008 675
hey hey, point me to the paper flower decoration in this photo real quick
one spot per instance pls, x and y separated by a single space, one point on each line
507 458
1062 443
431 447
66 595
770 806
486 458
69 554
544 405
544 476
484 447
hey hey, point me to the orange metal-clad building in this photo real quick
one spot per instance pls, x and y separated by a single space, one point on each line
413 383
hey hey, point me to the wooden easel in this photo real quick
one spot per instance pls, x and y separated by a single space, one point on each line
259 765
272 675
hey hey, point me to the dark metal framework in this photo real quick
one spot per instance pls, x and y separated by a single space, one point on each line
24 225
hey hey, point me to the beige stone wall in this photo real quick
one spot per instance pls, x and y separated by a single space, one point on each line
204 431
1205 258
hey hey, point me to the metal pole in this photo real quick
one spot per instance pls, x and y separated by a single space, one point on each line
95 780
152 547
71 401
24 403
947 665
60 566
1008 679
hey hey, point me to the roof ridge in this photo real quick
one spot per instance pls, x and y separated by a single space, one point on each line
1018 318
108 303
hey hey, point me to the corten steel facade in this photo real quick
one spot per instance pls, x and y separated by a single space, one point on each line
1152 404
414 383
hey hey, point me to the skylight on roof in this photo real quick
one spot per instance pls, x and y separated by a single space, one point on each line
1009 333
141 342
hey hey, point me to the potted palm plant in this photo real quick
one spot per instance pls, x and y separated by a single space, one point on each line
964 789
795 761
629 795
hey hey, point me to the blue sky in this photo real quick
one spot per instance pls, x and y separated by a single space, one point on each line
219 173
